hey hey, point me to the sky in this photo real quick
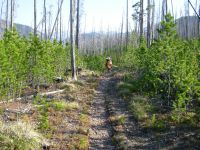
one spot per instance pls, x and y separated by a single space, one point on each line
96 15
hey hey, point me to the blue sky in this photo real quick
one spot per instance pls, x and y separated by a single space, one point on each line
96 14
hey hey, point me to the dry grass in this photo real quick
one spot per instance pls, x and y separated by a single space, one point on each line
19 135
79 142
68 129
117 119
84 119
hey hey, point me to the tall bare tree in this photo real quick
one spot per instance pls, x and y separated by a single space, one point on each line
61 25
164 8
141 18
121 35
72 38
45 20
35 21
148 23
77 24
7 7
11 14
172 7
126 24
57 17
152 20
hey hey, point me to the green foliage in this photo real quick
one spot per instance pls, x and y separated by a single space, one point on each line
168 73
19 136
140 107
43 106
156 123
121 120
59 106
12 70
169 69
94 62
43 120
29 62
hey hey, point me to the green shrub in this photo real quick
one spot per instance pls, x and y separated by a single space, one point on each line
156 123
62 105
140 107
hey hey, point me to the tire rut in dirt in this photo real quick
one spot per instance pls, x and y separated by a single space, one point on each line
101 130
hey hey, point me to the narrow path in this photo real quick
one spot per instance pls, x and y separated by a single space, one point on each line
129 136
127 133
107 104
101 131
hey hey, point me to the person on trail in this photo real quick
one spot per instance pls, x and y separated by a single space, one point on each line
108 63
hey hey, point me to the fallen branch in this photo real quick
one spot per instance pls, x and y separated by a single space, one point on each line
31 96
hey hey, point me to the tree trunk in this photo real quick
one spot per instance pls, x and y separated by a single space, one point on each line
187 20
35 22
121 36
164 8
45 21
11 15
148 23
141 18
61 25
172 6
127 25
72 39
59 10
152 21
77 24
7 7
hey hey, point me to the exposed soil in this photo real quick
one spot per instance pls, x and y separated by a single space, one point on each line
101 131
104 131
127 133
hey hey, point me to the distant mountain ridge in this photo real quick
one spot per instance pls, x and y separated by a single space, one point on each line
22 29
187 27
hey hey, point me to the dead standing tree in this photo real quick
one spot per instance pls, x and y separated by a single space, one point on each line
35 22
77 24
72 38
7 7
45 20
141 18
148 23
127 25
57 16
11 14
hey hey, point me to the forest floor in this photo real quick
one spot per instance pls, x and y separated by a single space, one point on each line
90 114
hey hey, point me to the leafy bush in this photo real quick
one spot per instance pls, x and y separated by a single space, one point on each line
94 62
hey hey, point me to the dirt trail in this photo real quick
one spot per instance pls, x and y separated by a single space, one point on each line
107 104
101 131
